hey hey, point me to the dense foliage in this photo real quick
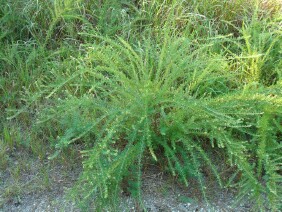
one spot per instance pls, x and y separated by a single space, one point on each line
182 83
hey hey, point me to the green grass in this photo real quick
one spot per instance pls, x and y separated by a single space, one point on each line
179 83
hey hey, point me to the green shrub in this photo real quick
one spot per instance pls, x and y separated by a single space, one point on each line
145 101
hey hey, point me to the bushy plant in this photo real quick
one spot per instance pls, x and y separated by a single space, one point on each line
145 101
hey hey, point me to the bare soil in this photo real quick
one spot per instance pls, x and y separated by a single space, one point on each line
160 193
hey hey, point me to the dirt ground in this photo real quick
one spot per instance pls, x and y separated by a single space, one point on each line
160 193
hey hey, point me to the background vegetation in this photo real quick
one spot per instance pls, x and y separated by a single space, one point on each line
184 84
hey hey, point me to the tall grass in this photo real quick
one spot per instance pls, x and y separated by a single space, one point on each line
168 81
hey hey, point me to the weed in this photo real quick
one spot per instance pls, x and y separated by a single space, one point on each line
176 82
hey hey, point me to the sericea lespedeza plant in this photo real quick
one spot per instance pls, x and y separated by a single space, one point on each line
164 101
